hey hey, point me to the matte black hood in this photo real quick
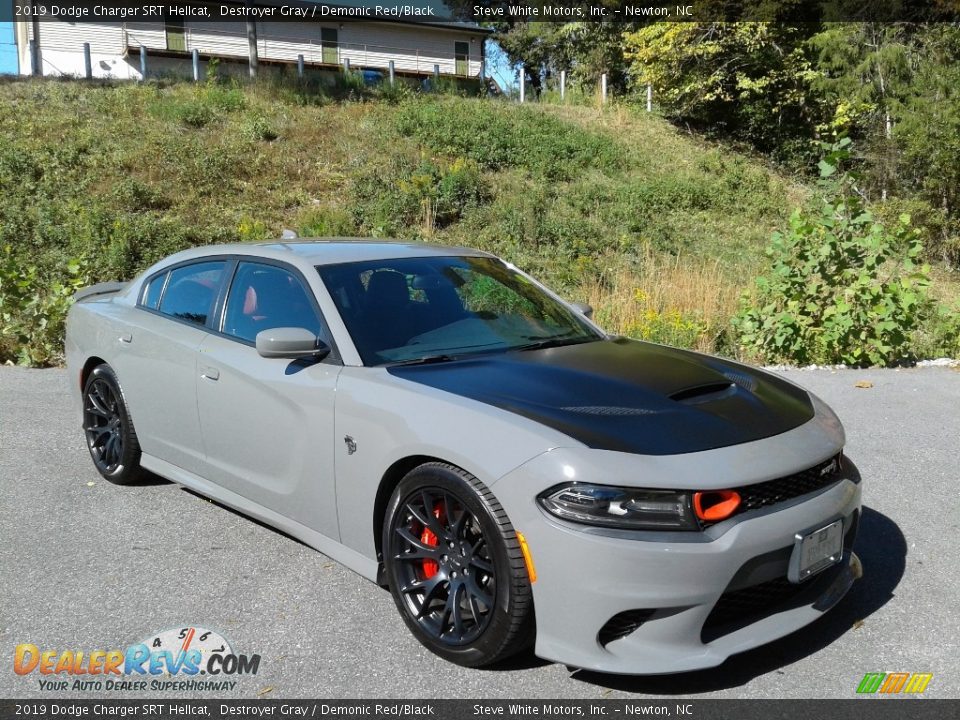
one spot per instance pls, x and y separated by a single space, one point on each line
627 395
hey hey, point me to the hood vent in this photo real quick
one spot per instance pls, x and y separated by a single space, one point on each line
608 410
742 379
704 393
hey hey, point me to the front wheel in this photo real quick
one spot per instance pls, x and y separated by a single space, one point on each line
455 567
111 438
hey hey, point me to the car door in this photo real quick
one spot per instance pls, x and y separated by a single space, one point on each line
267 424
156 360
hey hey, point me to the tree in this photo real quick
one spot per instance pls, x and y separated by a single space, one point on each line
583 49
748 80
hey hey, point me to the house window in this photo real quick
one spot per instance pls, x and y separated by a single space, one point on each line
462 53
328 46
176 35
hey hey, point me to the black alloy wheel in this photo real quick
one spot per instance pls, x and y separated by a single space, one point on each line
455 567
446 572
111 438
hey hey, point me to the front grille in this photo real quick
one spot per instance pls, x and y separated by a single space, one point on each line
771 492
753 601
738 608
622 624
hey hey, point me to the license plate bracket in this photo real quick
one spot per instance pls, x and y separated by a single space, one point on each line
815 550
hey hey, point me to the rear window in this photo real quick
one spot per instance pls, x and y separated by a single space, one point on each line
192 291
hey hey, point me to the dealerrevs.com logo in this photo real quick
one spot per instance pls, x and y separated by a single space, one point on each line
181 659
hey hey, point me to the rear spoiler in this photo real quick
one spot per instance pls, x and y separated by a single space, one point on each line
106 288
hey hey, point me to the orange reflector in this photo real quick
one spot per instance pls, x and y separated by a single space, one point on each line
525 549
715 505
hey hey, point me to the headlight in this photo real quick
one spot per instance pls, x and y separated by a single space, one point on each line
626 508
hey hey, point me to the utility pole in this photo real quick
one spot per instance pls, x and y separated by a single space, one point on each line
252 43
36 69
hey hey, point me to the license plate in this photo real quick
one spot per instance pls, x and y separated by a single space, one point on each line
815 551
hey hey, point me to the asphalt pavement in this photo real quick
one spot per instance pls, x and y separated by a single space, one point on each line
88 565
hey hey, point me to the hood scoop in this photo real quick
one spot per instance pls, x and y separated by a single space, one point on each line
704 393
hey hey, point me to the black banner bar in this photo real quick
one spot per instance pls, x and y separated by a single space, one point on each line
492 12
873 708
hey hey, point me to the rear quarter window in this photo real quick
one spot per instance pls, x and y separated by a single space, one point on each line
152 292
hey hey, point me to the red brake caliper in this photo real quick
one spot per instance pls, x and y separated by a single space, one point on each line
431 567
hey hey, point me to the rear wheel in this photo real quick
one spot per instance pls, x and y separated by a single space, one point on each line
455 567
111 438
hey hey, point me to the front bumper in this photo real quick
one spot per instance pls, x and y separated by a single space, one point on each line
694 598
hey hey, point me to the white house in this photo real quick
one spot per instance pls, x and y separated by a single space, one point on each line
416 49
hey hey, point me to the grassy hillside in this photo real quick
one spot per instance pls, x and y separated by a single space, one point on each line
659 231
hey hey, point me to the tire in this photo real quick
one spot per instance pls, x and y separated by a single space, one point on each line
108 428
456 571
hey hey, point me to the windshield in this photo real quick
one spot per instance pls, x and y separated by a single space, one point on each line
438 308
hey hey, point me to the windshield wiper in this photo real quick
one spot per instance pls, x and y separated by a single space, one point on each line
549 341
426 360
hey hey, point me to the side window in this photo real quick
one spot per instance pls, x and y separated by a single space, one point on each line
263 297
192 291
151 294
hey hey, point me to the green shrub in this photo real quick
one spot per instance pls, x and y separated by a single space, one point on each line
496 135
260 127
134 195
940 334
428 195
351 84
326 222
196 106
252 230
33 311
396 93
841 287
195 113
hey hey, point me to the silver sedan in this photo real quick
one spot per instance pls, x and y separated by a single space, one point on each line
444 425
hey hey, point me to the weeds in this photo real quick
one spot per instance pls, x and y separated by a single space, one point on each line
658 231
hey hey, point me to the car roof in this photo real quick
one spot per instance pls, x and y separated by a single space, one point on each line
330 251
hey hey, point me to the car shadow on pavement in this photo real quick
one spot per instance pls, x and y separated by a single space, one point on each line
882 550
148 479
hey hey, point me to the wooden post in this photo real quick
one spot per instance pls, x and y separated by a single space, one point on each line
436 72
603 88
346 66
523 84
35 66
563 85
300 66
196 65
649 97
392 72
87 61
252 44
143 63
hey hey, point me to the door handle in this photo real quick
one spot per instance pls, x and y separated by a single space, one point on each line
210 373
126 338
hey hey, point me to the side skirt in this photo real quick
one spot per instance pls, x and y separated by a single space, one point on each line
360 564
